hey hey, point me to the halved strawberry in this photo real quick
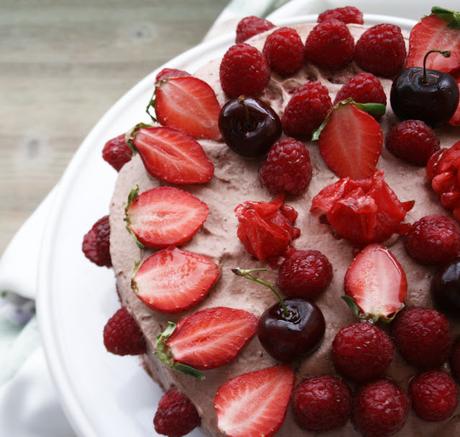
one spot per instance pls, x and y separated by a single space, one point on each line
437 31
351 142
164 216
189 105
168 73
255 403
172 156
206 339
173 280
455 120
375 284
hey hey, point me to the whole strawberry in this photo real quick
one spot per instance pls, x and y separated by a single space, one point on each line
96 243
305 274
287 169
117 152
176 415
381 50
422 337
363 88
433 240
122 335
306 110
380 409
250 26
347 14
362 352
330 45
322 403
433 395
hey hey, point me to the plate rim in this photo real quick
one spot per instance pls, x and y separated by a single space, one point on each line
72 406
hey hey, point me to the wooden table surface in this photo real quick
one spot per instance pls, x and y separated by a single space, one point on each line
62 65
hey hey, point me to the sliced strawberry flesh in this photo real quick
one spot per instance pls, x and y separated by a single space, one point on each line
255 403
351 142
189 105
168 73
212 337
173 280
173 156
165 216
377 282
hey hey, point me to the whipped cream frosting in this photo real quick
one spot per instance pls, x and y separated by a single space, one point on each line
235 181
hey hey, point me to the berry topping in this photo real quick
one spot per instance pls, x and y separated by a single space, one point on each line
445 288
454 360
322 403
255 403
376 284
438 30
363 88
330 45
412 141
381 50
122 335
287 169
206 339
172 156
380 409
266 229
249 126
306 110
168 73
443 174
433 395
164 216
427 95
362 211
289 329
96 243
347 14
117 152
434 239
362 352
351 142
173 94
422 337
176 415
243 71
305 274
250 26
284 51
173 280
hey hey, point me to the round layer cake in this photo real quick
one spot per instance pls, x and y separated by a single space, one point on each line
235 181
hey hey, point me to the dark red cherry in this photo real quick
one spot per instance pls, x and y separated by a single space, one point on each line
292 329
427 95
445 289
249 126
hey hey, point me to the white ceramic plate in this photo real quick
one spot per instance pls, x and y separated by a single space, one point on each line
102 394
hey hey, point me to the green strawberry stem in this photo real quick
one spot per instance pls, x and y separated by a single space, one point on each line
372 318
132 196
445 53
164 354
131 134
451 17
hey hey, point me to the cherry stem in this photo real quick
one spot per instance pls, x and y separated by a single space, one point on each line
248 274
445 53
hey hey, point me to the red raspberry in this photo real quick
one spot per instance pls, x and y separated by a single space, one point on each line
322 403
305 274
250 26
243 71
381 50
348 14
413 141
433 395
363 88
287 168
117 152
307 109
454 360
122 335
176 415
330 45
380 409
422 337
96 243
432 240
362 352
284 51
168 73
